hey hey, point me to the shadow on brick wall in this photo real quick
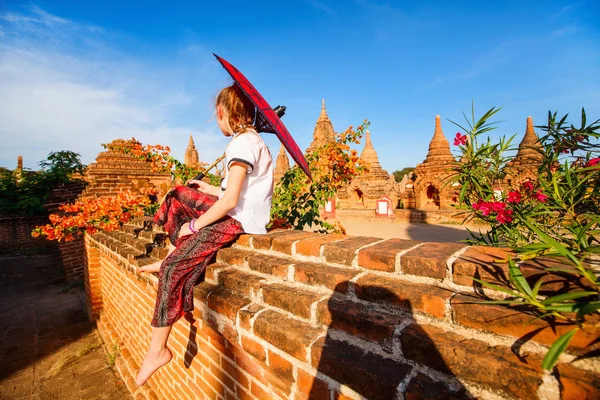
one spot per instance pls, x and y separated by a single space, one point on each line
395 342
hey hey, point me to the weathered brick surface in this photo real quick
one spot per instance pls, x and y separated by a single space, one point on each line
333 278
430 259
422 387
373 376
233 256
554 282
275 266
493 366
406 295
264 242
358 319
284 244
294 300
344 251
287 334
577 384
312 246
382 256
240 282
237 349
483 262
518 324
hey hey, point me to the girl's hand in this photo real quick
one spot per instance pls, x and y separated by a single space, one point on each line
185 230
202 186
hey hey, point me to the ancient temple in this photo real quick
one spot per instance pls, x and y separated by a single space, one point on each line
364 191
191 154
528 159
282 165
427 191
323 132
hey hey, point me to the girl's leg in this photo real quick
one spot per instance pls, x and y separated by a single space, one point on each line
158 354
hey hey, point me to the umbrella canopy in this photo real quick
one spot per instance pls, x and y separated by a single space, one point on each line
266 115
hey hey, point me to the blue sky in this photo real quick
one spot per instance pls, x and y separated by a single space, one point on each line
76 74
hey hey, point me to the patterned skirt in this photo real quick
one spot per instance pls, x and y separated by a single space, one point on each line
185 266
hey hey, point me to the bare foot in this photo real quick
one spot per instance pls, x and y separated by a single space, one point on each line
155 266
152 362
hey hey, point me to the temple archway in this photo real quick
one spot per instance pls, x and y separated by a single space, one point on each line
430 197
357 197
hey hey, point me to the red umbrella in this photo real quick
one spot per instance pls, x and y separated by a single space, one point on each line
267 119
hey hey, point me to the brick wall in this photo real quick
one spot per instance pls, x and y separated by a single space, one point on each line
297 315
15 235
404 215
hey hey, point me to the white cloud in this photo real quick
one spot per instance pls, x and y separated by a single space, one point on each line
67 86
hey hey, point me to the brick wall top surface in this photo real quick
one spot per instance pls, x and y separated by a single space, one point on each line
357 308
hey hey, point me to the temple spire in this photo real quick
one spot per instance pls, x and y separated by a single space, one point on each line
371 159
282 165
439 148
529 144
323 132
191 154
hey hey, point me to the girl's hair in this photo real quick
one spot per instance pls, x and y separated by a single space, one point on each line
240 109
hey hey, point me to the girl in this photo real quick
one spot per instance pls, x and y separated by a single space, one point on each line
200 222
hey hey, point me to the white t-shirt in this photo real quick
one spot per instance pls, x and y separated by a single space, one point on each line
253 209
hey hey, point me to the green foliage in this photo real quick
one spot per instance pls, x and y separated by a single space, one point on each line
297 200
555 213
398 175
26 191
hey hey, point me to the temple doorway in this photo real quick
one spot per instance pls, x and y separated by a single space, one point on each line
357 197
430 197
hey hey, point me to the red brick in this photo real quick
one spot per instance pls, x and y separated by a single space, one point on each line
235 373
275 266
233 256
284 244
287 334
333 278
422 387
203 290
402 294
244 240
258 391
294 300
429 260
247 314
222 377
382 256
312 246
344 251
496 367
264 242
555 282
483 262
226 303
311 385
254 348
212 270
369 374
358 319
577 384
280 365
240 282
515 322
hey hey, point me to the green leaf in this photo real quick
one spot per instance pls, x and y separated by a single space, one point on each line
588 308
516 277
557 349
536 287
566 297
498 288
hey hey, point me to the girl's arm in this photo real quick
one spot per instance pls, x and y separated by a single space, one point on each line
237 174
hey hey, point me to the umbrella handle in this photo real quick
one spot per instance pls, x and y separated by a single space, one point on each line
202 174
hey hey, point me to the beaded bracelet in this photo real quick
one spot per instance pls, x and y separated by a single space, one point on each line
191 226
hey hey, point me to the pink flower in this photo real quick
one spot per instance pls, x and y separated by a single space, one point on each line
504 216
540 196
497 206
592 162
527 185
514 197
482 206
460 139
